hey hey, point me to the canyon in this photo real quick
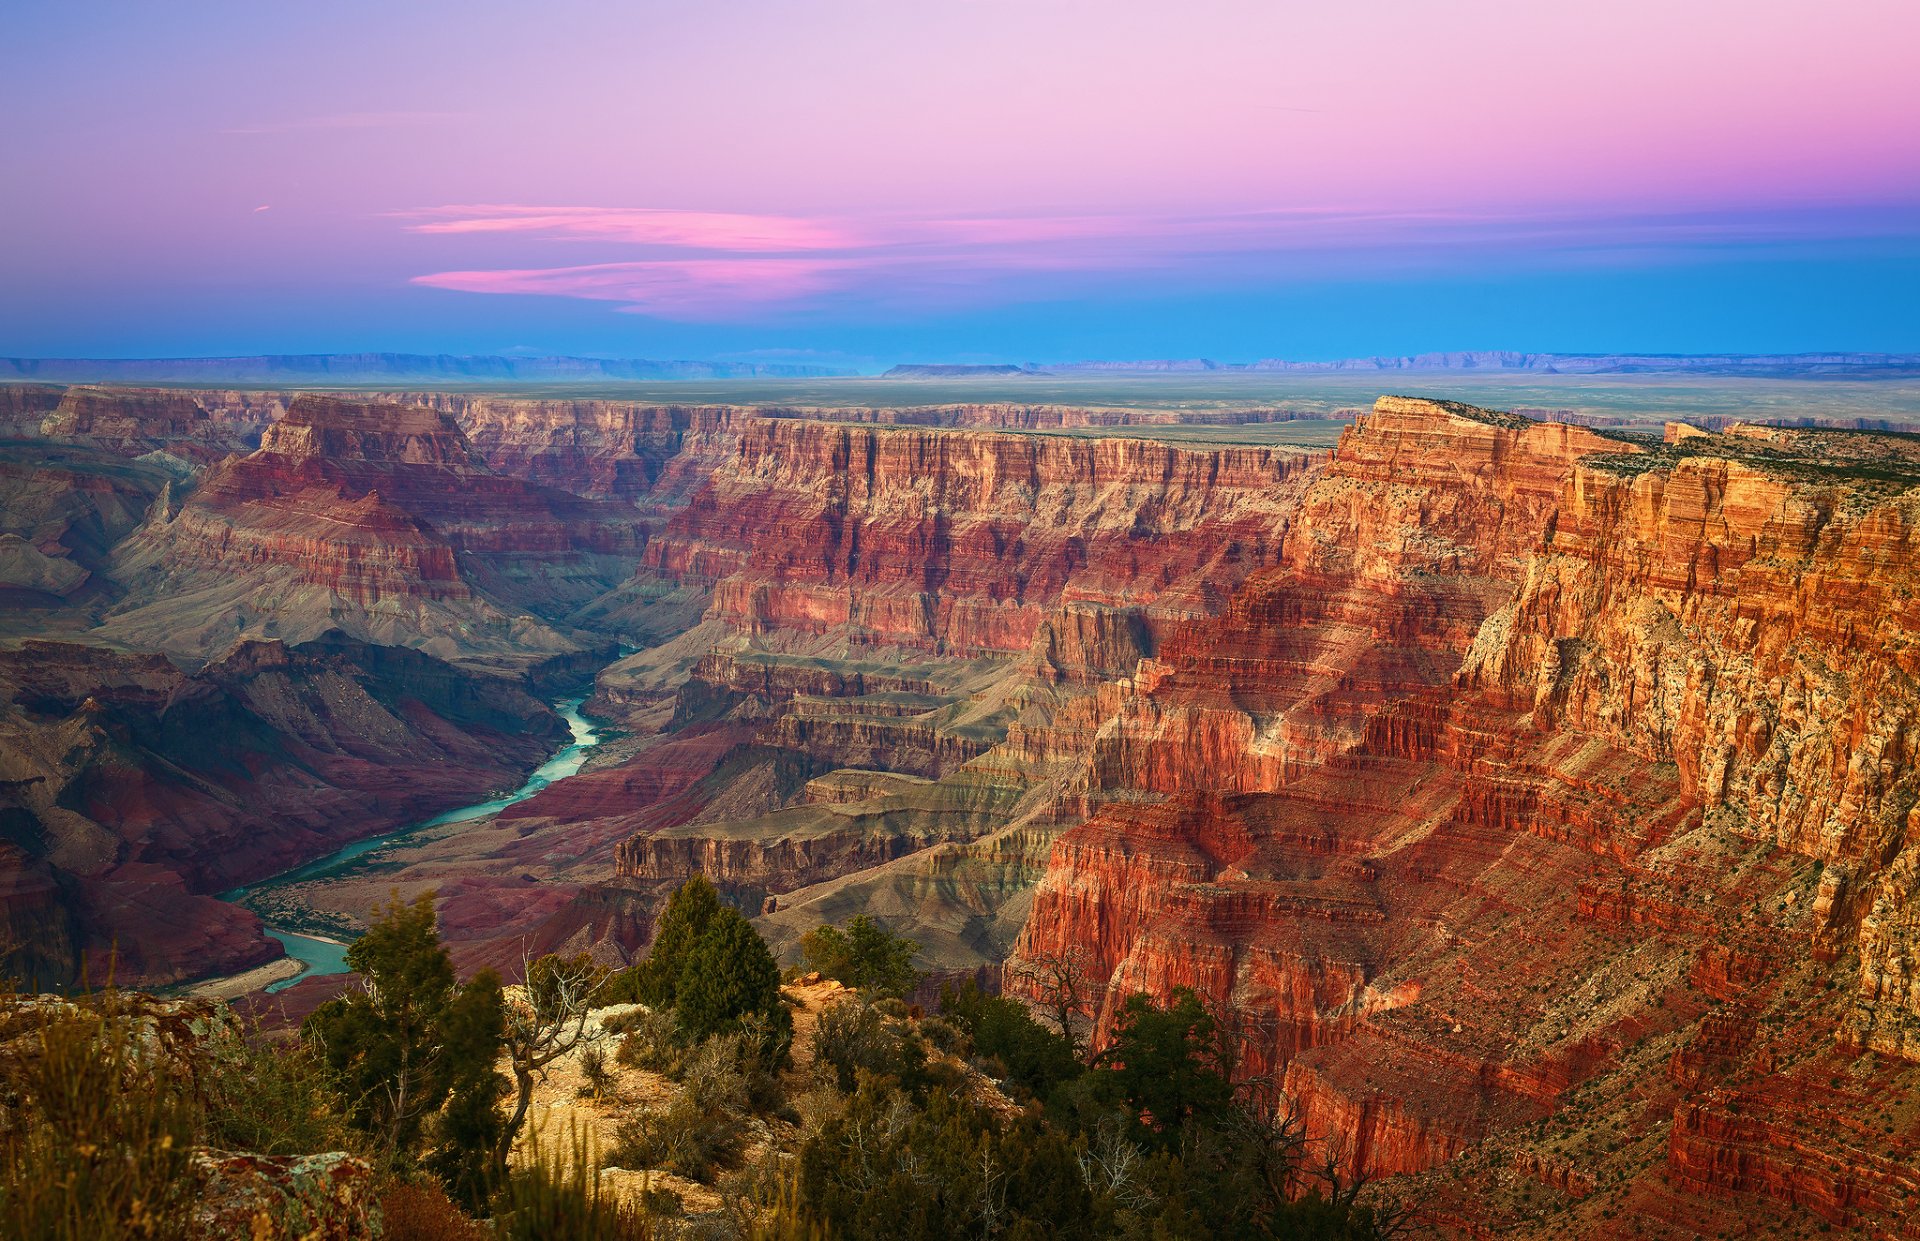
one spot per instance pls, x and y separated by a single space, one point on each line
1534 803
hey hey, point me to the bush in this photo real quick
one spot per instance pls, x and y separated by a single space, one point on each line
270 1098
596 1079
97 1132
652 1040
865 956
1028 1054
854 1038
700 1130
422 1212
1168 1064
402 1046
887 1169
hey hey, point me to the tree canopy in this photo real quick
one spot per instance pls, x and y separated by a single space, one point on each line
865 956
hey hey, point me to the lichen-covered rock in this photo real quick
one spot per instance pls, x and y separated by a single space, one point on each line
327 1197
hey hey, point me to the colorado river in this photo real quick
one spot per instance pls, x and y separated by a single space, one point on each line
326 956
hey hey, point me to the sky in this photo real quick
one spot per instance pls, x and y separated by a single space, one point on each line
862 182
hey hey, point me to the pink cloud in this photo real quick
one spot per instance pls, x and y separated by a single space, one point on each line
694 288
700 230
900 260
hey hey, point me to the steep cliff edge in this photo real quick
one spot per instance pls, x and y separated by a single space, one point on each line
1542 751
964 542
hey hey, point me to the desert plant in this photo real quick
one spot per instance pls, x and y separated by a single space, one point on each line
553 1198
388 1045
1001 1030
421 1211
651 1040
596 1079
700 1130
269 1096
865 956
854 1038
97 1134
544 1022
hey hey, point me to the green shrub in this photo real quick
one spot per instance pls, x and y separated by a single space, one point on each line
411 1039
865 956
854 1038
1028 1054
729 975
270 1097
655 981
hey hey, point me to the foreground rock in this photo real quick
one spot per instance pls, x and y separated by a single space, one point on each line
329 1197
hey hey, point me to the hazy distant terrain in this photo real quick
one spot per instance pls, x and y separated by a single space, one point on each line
1629 399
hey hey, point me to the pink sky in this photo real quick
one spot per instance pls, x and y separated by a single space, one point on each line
683 158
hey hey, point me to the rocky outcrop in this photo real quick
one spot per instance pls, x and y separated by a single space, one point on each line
194 427
1508 679
329 1197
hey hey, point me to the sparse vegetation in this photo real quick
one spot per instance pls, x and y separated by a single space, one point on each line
865 956
888 1133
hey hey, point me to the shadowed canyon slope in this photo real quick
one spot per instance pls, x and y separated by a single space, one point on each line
1536 805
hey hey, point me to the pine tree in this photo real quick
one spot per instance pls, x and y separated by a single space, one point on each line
730 983
470 1125
382 1043
656 980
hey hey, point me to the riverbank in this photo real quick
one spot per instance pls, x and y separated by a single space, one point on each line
313 955
266 977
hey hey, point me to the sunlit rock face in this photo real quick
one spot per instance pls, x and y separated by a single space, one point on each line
380 520
1548 778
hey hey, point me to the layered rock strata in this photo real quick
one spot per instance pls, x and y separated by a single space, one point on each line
132 792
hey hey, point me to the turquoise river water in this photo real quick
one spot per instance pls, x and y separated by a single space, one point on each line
326 956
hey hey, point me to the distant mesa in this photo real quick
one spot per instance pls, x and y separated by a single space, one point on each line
950 370
350 368
1862 365
1874 365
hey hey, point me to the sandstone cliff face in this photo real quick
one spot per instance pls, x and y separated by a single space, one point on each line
133 792
963 543
380 520
1526 715
193 427
650 455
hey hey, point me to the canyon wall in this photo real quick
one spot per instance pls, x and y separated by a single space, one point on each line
380 520
1537 751
964 543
